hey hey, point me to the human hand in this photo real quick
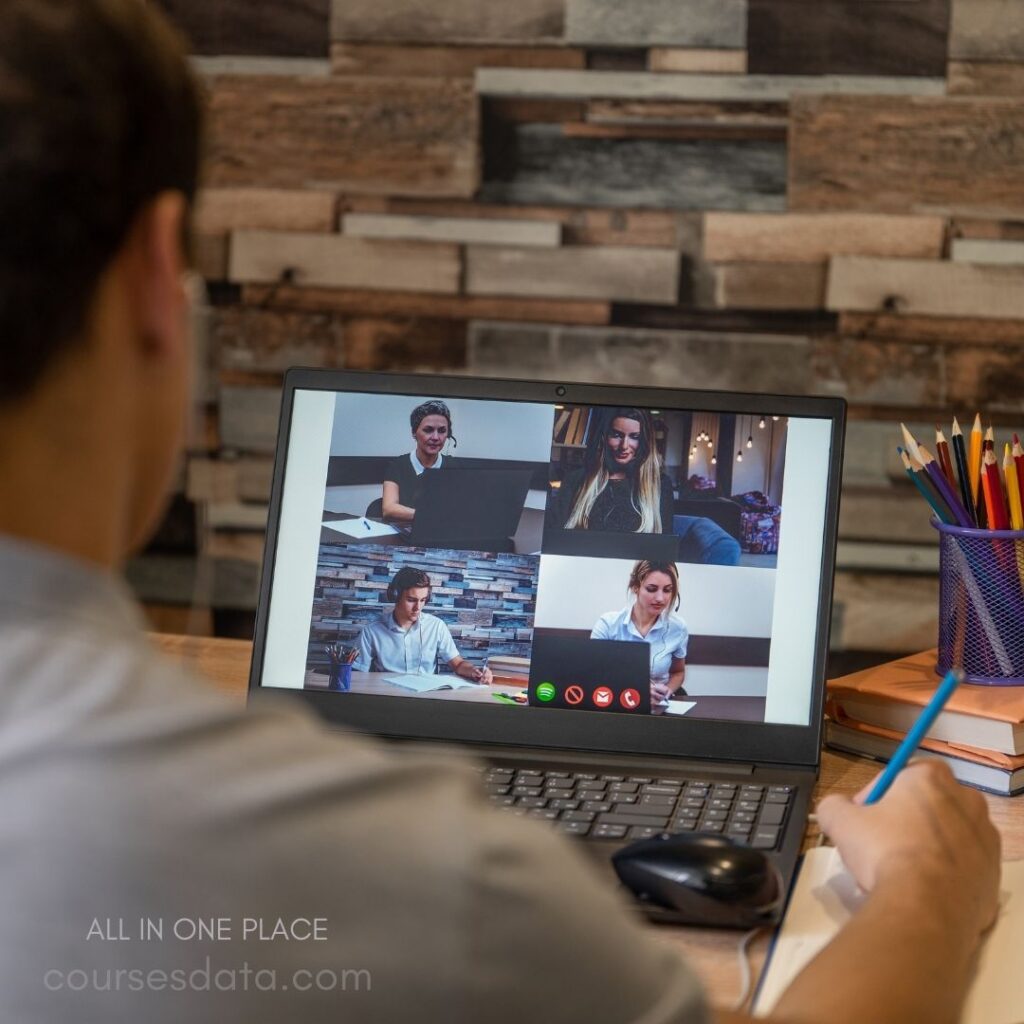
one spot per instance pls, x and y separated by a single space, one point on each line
660 691
484 676
926 830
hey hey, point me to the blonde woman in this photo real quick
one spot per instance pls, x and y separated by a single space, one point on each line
647 618
621 487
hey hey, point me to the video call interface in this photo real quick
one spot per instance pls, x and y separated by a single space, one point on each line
601 559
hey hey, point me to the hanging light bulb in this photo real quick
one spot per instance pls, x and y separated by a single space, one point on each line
750 440
711 444
739 455
775 417
714 460
761 423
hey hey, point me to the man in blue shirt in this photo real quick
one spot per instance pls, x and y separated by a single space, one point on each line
408 640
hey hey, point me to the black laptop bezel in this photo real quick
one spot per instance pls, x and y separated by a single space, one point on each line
554 729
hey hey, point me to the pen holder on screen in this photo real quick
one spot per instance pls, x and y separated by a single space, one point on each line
341 677
981 604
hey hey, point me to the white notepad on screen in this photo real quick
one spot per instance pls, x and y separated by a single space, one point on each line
826 897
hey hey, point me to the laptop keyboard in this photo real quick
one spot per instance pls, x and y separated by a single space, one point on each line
629 807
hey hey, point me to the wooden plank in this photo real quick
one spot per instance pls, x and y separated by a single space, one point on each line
448 21
405 136
530 83
468 230
699 130
987 30
294 29
914 153
879 373
702 23
750 116
412 344
446 61
989 379
210 256
814 237
277 67
926 287
269 341
983 228
884 513
244 479
979 250
222 210
532 111
769 285
378 304
718 62
662 229
331 261
617 275
848 37
931 330
248 418
985 78
550 169
884 612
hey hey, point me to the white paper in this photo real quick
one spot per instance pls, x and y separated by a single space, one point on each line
679 707
361 528
826 897
425 683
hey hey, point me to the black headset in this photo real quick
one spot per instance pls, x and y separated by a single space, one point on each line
406 579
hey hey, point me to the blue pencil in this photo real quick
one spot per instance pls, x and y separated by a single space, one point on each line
913 738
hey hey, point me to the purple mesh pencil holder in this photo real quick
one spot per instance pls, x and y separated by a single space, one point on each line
981 604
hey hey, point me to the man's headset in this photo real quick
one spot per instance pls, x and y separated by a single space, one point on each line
408 579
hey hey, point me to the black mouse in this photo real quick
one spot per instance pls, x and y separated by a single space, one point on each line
705 879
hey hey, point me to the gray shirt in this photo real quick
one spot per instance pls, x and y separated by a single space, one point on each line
130 792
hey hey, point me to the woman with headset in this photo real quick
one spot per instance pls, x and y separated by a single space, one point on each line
431 424
622 487
647 618
407 640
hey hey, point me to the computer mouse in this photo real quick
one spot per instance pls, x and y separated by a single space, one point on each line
705 879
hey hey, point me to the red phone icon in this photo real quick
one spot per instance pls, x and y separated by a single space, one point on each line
574 695
603 697
630 699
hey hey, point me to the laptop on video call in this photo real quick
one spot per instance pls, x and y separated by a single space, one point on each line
618 598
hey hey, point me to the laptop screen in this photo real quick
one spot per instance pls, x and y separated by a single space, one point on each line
595 558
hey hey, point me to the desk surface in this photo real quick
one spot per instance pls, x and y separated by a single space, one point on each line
711 951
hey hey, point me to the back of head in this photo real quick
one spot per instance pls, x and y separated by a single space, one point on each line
98 115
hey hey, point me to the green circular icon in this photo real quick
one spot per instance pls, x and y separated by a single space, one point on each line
546 692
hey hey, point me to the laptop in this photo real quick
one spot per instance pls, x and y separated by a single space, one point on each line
726 661
474 508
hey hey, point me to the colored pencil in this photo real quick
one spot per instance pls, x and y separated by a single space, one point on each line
960 515
910 443
1013 490
939 507
942 453
995 500
1018 461
960 455
974 458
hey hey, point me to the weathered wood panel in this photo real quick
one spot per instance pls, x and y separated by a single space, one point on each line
884 513
210 256
769 285
538 165
467 230
531 83
913 153
619 275
879 373
848 37
813 237
932 330
294 29
379 304
407 344
248 418
985 78
894 612
446 61
244 479
979 250
332 261
222 210
990 379
267 341
926 287
405 136
746 116
699 130
983 228
448 21
708 23
718 62
987 30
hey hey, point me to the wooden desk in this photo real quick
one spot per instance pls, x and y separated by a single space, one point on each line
712 952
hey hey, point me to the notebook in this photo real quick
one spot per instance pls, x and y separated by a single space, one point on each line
670 686
424 684
825 897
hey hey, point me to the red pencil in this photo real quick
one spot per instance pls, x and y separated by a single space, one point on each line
1018 461
942 451
998 518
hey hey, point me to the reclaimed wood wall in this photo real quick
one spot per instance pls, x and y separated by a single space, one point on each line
821 196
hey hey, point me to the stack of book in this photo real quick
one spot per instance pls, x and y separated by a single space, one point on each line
979 734
508 669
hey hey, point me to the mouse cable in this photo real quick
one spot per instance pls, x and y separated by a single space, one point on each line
746 976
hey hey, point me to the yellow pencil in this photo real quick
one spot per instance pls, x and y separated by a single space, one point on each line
974 457
1013 490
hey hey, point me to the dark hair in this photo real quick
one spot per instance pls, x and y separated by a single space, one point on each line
643 569
408 578
99 113
434 407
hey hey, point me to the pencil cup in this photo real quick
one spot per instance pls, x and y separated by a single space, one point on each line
981 604
341 677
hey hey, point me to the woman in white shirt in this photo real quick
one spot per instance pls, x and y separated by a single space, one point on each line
654 595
